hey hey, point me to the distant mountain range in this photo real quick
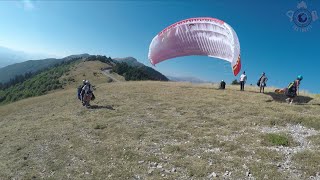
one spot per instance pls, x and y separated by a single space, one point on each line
142 69
9 56
47 73
131 61
8 72
14 63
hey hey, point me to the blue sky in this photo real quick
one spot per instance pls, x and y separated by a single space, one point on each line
267 38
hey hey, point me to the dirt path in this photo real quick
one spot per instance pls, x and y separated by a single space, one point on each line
107 73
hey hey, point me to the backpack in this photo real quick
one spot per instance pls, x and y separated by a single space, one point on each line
89 91
258 83
79 91
292 89
93 97
292 86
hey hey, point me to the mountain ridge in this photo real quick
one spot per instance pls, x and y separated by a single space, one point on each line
32 66
58 76
10 56
131 61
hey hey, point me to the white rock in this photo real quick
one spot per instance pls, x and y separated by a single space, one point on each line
244 166
153 164
212 175
150 171
227 173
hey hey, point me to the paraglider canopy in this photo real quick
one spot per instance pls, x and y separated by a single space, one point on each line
203 36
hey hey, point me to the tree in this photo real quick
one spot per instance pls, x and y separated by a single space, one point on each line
235 82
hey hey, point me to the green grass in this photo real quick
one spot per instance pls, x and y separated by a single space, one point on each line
276 140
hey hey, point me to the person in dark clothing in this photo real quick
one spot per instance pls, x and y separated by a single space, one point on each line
222 85
293 88
87 90
80 94
262 82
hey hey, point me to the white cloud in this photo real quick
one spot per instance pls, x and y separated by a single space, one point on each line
28 5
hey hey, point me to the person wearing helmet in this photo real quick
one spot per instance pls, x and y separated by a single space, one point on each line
80 95
262 82
293 88
222 85
87 92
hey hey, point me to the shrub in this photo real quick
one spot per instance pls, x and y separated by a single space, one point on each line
235 82
276 140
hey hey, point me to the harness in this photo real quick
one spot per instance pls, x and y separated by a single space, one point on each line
292 86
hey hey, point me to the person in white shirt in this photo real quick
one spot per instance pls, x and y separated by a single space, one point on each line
243 79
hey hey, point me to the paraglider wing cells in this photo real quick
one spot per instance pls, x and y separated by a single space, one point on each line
197 36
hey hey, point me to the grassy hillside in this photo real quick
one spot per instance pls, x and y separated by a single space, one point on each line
9 72
33 66
58 77
90 70
157 130
133 70
38 85
138 73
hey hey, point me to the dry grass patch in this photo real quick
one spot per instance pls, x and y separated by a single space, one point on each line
308 162
315 140
150 130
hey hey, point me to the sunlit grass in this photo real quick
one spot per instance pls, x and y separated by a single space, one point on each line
194 129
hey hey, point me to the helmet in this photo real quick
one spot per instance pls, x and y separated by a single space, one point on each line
87 82
84 81
300 77
222 80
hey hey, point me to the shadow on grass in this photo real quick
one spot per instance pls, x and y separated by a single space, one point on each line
101 107
254 91
312 104
301 100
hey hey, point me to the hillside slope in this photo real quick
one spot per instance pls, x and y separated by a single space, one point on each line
70 73
156 130
131 61
67 75
135 67
9 72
